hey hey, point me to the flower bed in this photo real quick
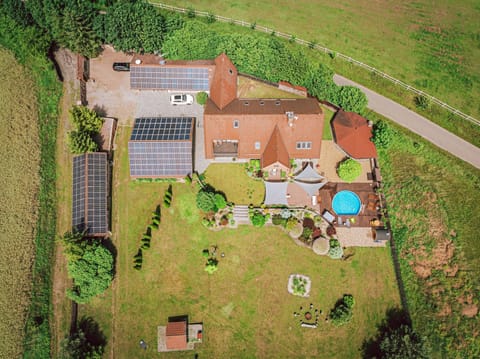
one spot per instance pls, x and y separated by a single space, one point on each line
299 285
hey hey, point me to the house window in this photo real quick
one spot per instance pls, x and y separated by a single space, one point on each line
304 145
236 124
257 145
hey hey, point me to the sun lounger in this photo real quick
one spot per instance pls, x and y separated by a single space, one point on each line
330 218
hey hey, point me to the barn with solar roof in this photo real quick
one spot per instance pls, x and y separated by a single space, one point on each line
161 147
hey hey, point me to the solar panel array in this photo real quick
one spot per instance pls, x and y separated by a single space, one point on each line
90 210
169 78
161 147
162 129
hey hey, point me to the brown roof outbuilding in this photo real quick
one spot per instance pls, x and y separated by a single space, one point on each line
353 134
176 335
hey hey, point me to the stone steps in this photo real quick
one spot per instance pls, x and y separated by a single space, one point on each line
240 215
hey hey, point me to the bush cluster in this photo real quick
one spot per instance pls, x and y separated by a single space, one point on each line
86 125
258 219
349 170
343 311
202 98
335 251
383 134
167 198
210 201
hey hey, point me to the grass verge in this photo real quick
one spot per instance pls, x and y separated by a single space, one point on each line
30 49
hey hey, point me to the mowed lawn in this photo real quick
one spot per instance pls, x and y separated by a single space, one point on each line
245 306
432 45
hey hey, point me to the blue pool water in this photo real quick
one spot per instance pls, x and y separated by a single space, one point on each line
346 203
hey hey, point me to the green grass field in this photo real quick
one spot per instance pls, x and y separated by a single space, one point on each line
245 307
19 160
433 201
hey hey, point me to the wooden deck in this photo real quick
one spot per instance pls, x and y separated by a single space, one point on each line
369 199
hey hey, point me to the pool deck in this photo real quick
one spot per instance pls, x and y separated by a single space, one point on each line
369 203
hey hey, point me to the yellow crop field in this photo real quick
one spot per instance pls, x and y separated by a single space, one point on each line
19 181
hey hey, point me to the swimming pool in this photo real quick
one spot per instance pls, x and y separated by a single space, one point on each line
346 203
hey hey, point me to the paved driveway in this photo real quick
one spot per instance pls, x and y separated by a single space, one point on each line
109 93
418 124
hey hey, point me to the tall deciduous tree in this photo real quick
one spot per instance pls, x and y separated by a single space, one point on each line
92 273
403 343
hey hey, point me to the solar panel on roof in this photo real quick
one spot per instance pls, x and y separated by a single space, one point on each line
161 147
89 211
169 78
162 129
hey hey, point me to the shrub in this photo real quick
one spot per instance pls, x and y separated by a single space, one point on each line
86 124
258 219
220 201
279 221
211 18
253 25
350 99
331 231
422 102
291 223
188 179
191 13
206 201
211 266
349 170
382 134
206 253
335 251
307 234
285 213
81 142
343 311
202 98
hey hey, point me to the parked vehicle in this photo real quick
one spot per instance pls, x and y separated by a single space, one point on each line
181 99
121 66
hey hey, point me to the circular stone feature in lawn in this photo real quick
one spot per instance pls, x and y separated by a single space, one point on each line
308 316
321 246
297 231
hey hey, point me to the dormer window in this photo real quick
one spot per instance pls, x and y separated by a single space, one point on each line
262 103
236 123
257 145
230 71
277 103
246 103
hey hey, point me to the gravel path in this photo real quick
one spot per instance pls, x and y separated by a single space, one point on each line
418 124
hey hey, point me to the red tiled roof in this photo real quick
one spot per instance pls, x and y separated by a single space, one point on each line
176 335
266 107
177 342
224 85
276 151
176 328
352 134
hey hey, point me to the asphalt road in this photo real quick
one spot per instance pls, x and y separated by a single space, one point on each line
418 124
